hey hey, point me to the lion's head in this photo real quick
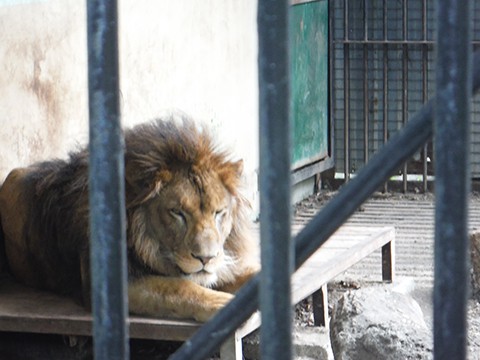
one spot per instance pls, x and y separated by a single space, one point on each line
187 215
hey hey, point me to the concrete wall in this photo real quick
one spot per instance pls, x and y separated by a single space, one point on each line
199 57
42 80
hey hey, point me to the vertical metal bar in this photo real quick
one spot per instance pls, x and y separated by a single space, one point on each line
365 22
404 82
276 245
424 88
452 177
346 98
106 176
365 84
385 80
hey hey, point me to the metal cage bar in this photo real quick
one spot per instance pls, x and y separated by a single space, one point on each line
366 136
424 91
346 98
275 208
452 127
385 80
404 84
106 177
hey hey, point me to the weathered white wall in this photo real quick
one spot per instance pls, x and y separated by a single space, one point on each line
42 80
196 56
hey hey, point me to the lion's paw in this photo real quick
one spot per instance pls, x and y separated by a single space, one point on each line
213 303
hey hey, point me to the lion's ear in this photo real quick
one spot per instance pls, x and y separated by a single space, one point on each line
231 174
141 187
238 166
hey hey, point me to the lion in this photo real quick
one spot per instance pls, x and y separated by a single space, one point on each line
189 243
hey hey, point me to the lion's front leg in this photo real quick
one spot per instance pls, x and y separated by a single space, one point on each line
240 280
181 298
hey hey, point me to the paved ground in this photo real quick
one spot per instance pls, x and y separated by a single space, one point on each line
413 218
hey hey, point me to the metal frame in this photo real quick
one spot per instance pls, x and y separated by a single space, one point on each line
450 277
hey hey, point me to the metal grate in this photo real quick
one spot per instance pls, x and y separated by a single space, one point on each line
382 73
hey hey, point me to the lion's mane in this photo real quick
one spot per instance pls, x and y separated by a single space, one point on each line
54 210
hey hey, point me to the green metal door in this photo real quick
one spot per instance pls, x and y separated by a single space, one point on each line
309 53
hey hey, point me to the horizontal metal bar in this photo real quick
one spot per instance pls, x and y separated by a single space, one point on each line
392 42
336 212
383 42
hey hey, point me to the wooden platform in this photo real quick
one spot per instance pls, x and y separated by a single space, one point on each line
26 310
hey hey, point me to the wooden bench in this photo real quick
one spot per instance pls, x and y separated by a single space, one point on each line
26 310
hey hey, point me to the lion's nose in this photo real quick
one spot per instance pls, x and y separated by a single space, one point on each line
203 259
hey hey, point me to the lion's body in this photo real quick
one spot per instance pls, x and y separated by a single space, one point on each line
188 240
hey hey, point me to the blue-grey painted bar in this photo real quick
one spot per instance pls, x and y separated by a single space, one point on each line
369 179
107 199
275 205
452 178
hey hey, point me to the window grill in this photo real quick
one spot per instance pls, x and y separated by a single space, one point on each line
383 72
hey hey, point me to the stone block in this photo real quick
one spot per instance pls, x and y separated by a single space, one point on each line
378 323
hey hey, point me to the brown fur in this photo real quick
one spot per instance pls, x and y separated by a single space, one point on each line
188 240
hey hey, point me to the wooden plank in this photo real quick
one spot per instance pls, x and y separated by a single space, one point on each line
232 349
161 329
26 310
23 309
388 261
320 306
311 277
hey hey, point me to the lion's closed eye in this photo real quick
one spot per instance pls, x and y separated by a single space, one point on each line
220 213
178 214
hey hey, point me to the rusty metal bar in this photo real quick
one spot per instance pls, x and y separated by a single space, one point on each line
452 171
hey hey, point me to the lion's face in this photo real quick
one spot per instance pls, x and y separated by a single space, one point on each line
186 226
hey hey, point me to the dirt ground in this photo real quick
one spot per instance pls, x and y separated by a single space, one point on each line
413 217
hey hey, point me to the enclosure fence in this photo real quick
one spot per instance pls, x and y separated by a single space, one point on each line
383 71
450 107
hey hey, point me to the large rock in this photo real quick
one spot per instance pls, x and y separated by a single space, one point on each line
378 323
